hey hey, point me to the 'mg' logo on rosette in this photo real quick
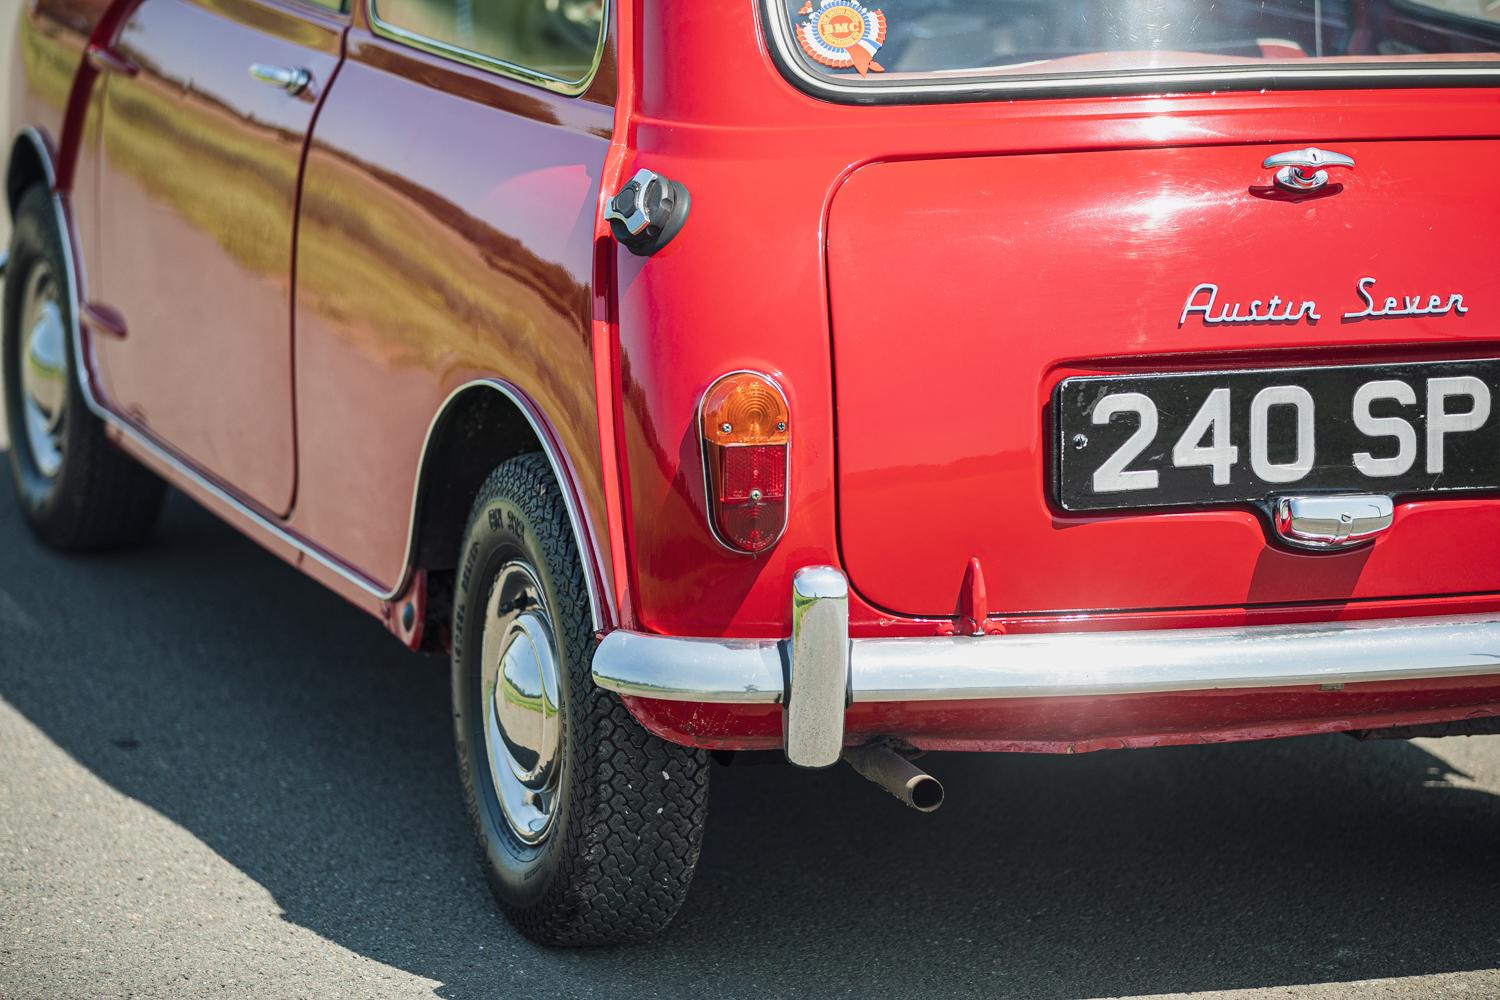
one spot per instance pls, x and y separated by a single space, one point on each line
842 33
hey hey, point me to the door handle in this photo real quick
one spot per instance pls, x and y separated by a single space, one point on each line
103 59
292 79
1306 169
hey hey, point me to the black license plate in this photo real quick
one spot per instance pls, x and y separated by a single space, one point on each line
1235 437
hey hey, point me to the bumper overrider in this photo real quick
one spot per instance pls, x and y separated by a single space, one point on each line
819 671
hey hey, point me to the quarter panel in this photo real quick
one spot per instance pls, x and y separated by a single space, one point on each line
446 235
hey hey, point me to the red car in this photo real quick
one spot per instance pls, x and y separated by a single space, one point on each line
842 378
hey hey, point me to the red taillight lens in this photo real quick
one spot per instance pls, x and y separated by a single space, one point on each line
744 425
750 469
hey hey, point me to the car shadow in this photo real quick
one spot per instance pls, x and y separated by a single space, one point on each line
293 737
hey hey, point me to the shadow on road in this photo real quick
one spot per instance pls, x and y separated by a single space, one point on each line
293 737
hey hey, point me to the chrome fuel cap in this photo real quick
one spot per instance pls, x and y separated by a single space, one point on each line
522 725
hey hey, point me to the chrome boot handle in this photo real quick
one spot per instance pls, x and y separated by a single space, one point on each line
292 79
1306 169
1332 522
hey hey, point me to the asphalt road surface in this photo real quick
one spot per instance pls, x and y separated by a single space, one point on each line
218 779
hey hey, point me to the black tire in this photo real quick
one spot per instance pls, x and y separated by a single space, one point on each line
98 497
629 808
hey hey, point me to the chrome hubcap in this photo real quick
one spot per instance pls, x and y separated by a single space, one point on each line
522 727
44 370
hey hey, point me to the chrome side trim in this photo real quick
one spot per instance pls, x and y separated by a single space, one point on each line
562 467
818 667
788 58
515 71
968 668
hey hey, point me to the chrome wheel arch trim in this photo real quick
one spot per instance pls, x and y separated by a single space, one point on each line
582 526
563 470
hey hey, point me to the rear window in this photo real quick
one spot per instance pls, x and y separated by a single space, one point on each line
862 50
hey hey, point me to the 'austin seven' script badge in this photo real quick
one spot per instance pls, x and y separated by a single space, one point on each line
841 34
1203 301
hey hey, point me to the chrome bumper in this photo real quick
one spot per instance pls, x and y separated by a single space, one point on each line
820 670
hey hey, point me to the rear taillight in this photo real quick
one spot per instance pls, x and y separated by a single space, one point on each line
744 422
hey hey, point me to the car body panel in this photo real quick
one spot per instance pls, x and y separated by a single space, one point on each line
765 164
46 61
485 263
1032 269
199 170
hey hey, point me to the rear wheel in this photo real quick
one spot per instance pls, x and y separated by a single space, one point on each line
77 490
589 827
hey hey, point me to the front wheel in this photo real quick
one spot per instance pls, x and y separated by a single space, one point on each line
589 827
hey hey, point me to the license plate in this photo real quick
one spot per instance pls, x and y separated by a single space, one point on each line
1235 437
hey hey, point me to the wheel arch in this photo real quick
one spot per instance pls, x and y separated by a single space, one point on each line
481 424
30 162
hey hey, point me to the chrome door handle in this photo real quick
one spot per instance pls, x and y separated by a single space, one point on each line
1306 169
292 79
106 60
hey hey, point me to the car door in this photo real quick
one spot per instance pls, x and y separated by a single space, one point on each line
205 118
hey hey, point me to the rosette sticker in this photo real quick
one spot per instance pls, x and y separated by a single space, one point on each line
841 34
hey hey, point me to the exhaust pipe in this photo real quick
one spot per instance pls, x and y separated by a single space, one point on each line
897 775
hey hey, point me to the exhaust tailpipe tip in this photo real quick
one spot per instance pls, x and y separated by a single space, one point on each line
924 793
897 775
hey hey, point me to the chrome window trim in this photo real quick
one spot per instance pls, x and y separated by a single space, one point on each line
563 469
500 67
299 8
341 11
799 72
